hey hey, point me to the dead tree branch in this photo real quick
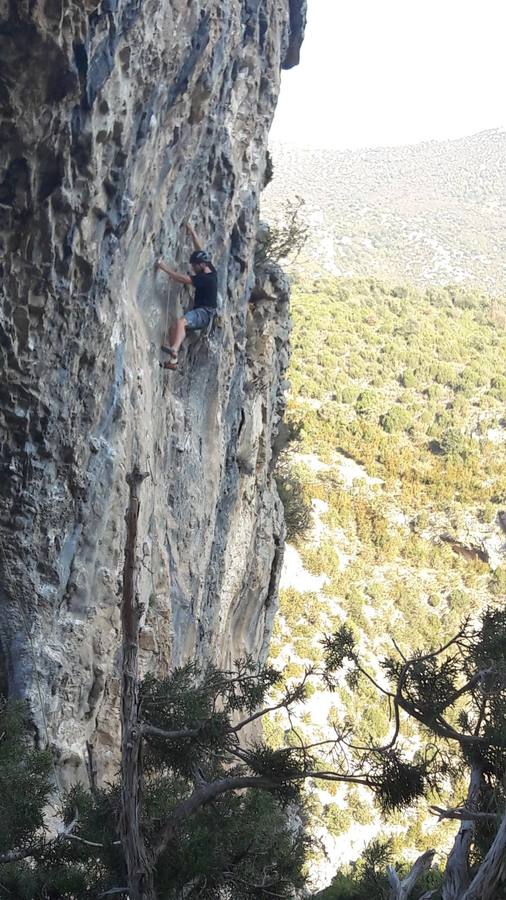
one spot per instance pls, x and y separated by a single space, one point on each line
462 814
490 880
457 876
138 860
401 890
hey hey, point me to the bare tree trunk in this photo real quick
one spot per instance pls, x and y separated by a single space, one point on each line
401 890
139 861
490 881
457 878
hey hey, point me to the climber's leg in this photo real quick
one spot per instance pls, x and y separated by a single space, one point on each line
194 320
177 333
176 336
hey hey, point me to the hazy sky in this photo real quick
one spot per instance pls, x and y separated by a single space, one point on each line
379 72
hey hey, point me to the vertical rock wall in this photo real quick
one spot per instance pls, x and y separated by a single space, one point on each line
121 119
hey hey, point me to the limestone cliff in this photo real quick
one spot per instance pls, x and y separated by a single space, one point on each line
121 119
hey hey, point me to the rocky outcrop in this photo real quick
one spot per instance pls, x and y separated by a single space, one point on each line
298 15
123 119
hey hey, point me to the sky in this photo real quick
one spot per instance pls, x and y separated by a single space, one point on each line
386 72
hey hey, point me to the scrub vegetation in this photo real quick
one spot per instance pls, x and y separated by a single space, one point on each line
398 403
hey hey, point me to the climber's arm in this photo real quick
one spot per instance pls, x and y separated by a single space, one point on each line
196 243
176 276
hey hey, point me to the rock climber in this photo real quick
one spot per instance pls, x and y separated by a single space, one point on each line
205 282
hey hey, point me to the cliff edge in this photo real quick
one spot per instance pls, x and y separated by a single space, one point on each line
124 119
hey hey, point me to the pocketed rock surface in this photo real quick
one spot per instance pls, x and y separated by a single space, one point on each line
120 121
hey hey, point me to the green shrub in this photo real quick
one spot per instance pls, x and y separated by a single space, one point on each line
337 820
453 442
498 386
498 585
445 374
396 419
367 402
360 810
408 379
291 492
349 395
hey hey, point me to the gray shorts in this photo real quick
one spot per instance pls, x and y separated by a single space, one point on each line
198 318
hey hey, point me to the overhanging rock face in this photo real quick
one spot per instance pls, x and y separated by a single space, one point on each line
121 120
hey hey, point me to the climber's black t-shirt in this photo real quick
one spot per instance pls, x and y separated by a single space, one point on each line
206 288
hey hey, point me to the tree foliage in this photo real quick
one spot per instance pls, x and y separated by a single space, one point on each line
25 782
296 507
239 840
285 239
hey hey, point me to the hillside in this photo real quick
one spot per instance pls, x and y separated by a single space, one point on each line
397 407
430 213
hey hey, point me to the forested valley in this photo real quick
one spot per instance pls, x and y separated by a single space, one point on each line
394 485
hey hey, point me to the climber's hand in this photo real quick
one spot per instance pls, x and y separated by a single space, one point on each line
196 243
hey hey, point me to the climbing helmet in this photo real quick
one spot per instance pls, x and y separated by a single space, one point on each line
200 256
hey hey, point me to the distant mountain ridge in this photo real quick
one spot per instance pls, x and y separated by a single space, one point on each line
429 213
